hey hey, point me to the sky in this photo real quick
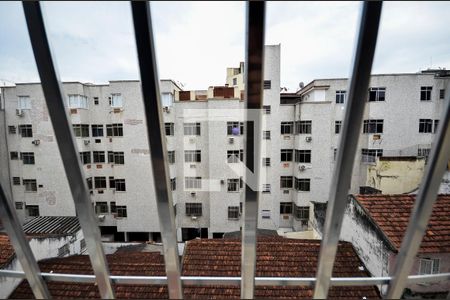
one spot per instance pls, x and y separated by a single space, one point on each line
197 41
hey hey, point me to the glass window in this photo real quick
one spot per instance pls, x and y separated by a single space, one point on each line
191 128
303 127
193 182
425 125
173 184
24 102
26 130
235 128
100 182
303 156
286 182
425 93
192 156
169 128
301 212
266 109
286 154
120 185
266 161
194 209
340 96
116 100
30 185
233 185
442 94
286 208
303 184
81 130
171 156
266 135
266 188
14 155
121 211
267 84
287 127
167 99
32 210
99 156
234 156
233 212
101 207
27 158
370 155
377 94
373 126
114 129
78 101
337 126
97 130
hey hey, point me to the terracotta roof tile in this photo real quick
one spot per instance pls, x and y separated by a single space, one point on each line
391 213
221 257
6 251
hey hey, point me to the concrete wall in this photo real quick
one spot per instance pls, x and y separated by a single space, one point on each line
396 176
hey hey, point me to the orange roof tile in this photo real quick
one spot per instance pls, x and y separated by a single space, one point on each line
391 214
6 251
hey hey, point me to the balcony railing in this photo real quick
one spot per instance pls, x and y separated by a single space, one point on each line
365 48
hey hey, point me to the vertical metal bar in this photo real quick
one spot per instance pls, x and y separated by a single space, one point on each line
54 98
423 206
156 137
254 72
22 248
362 64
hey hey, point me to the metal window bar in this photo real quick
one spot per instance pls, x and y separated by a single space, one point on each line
62 127
423 206
340 185
155 130
21 247
254 71
255 34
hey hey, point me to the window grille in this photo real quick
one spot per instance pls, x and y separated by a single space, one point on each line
365 47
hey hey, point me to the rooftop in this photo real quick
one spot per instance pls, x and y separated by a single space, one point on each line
218 257
52 226
391 214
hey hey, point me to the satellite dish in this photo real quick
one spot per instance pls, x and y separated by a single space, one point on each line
301 85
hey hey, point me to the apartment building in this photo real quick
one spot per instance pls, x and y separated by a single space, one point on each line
204 133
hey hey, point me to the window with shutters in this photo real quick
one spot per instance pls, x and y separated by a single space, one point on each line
286 154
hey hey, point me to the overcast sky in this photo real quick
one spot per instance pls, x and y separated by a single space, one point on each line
196 41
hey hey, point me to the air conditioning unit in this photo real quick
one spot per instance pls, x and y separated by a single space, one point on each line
308 139
285 191
193 194
193 218
302 168
117 110
231 140
19 112
193 166
166 109
36 142
87 142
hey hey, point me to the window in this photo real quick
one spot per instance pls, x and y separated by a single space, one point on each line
425 93
233 185
81 130
287 127
267 84
78 101
369 155
114 129
16 180
27 158
265 214
14 155
82 245
335 153
286 182
303 156
113 207
340 96
120 185
193 182
266 161
266 109
301 212
337 126
303 127
116 100
101 208
191 128
167 99
95 100
235 128
85 157
234 81
89 182
30 185
286 208
424 152
266 135
99 156
32 210
121 211
19 205
26 130
192 156
442 94
100 182
194 209
435 127
373 126
233 212
234 156
171 156
286 154
266 188
425 125
119 158
12 129
173 184
377 94
24 102
429 266
169 128
302 184
97 130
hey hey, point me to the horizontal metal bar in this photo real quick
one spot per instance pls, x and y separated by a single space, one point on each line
235 281
145 46
54 98
342 173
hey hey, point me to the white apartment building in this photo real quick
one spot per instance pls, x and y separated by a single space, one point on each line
204 133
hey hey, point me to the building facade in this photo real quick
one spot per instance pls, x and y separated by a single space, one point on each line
204 134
